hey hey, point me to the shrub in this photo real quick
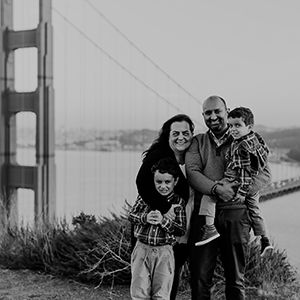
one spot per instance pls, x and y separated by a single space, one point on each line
97 251
93 251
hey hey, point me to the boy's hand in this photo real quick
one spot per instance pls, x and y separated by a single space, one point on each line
239 198
171 213
154 217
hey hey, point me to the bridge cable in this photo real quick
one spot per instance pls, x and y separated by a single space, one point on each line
122 66
139 50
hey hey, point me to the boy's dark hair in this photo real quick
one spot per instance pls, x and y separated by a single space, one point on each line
166 165
244 113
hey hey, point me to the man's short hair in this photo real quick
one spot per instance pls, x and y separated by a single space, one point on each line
218 97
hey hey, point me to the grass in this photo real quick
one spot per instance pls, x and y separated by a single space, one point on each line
96 253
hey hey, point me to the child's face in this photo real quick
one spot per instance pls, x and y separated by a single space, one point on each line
164 183
238 128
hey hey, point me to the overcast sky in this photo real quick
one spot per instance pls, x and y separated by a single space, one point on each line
245 51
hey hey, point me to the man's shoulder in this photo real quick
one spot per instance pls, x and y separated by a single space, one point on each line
201 136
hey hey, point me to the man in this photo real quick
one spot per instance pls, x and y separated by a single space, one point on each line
205 165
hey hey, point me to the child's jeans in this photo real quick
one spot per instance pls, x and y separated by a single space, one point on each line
258 223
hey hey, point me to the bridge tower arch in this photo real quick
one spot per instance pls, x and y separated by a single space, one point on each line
41 177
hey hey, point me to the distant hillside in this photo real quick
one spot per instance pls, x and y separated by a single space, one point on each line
283 138
287 139
137 138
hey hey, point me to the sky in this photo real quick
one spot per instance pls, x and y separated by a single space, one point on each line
245 51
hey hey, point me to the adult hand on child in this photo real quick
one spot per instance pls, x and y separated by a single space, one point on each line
226 190
171 212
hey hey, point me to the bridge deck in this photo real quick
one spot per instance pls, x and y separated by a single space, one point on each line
279 188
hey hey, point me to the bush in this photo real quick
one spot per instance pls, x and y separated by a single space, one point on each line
93 251
97 251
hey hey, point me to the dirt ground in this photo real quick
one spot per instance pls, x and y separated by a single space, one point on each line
25 285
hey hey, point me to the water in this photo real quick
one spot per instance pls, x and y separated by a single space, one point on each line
90 181
99 182
282 218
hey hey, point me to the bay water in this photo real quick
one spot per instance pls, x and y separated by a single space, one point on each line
282 218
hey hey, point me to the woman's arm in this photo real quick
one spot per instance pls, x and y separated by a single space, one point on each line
178 225
145 182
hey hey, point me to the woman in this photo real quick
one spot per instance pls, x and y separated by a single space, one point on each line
173 140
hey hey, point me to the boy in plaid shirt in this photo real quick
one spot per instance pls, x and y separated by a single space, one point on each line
152 259
246 164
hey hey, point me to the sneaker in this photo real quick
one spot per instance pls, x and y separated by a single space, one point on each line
209 233
266 247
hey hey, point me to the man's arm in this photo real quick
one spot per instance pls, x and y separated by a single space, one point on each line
194 167
225 191
201 183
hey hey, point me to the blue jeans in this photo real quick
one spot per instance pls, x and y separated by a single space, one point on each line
234 227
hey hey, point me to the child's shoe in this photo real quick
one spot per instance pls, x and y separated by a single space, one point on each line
209 233
266 248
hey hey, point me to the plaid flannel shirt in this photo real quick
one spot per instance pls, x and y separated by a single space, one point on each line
241 154
162 234
219 142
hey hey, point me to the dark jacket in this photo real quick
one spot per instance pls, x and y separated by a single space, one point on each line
145 183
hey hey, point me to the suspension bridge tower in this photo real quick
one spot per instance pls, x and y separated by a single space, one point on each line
40 177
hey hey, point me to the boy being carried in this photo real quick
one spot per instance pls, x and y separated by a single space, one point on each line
246 163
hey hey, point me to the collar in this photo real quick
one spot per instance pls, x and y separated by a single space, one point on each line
220 141
170 196
249 136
